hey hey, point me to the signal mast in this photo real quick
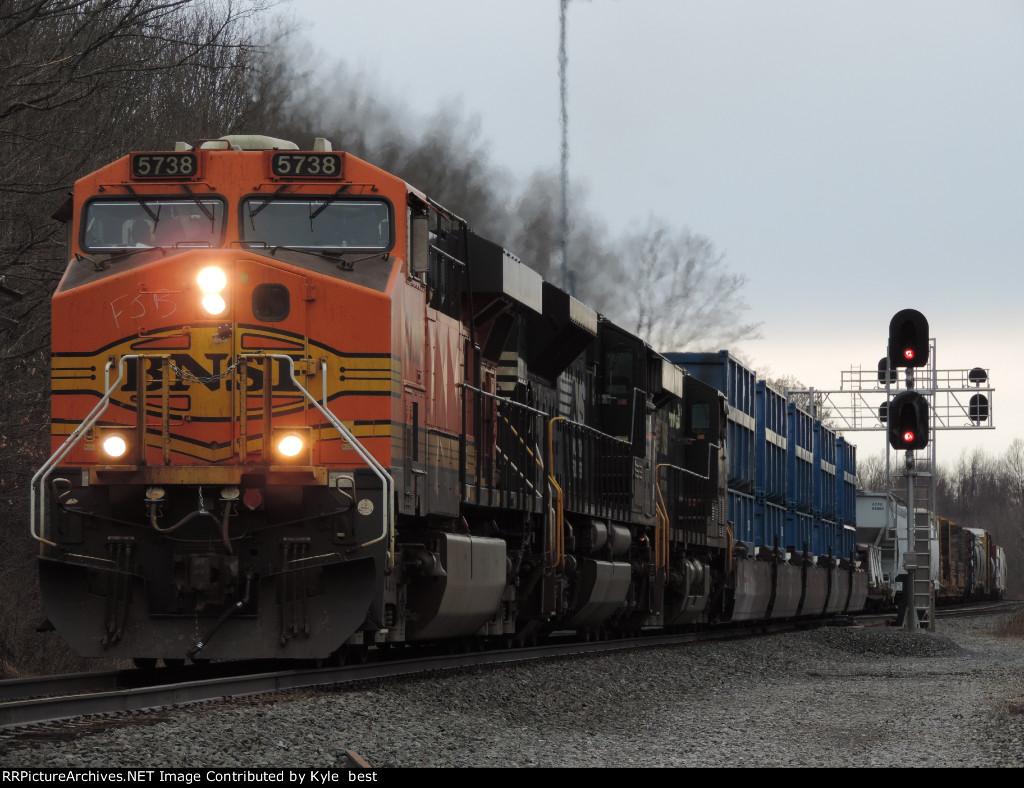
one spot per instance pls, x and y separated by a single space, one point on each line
908 428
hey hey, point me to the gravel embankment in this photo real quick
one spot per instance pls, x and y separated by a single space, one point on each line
830 697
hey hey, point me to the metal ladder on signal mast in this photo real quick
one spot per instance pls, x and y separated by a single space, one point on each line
920 611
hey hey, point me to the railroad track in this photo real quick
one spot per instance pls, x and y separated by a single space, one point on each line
951 611
978 609
33 701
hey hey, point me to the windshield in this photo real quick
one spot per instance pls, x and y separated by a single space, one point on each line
149 222
319 222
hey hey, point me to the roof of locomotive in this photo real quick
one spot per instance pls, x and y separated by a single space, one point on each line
252 143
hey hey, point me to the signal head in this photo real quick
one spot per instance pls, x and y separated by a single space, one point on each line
908 339
978 408
908 421
884 370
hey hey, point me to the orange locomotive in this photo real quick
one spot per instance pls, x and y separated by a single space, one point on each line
299 409
240 348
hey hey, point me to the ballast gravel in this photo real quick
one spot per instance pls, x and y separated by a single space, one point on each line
835 696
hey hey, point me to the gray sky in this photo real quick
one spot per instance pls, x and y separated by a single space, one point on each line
850 158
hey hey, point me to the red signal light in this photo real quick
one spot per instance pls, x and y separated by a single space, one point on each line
908 339
907 421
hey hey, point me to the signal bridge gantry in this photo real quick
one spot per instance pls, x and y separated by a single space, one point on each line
937 399
857 404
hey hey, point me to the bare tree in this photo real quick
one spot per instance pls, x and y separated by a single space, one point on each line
871 473
1012 468
1013 476
82 82
682 295
799 394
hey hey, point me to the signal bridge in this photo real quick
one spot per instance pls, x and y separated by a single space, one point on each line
938 399
857 405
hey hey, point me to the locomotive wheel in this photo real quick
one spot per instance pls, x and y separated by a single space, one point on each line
357 654
144 663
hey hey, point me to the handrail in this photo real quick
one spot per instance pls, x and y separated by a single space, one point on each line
537 460
662 507
380 471
485 455
37 496
661 560
729 535
558 542
503 400
613 502
36 485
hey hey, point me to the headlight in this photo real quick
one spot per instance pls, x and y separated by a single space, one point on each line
212 281
214 303
118 443
114 446
290 444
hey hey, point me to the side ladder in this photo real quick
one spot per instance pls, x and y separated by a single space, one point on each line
917 561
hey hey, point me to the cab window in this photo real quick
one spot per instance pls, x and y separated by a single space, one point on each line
109 225
619 372
317 223
700 419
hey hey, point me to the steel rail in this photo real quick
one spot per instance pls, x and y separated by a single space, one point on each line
106 693
30 711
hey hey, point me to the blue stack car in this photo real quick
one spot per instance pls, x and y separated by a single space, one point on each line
792 479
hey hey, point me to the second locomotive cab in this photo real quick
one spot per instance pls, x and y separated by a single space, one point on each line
300 409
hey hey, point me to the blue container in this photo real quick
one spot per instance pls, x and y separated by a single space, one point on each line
725 373
818 536
769 525
771 436
846 482
824 471
799 459
799 531
741 516
829 537
849 541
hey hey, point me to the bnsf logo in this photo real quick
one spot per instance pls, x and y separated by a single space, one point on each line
215 373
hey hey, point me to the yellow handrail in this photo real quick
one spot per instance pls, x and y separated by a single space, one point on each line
558 540
661 535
